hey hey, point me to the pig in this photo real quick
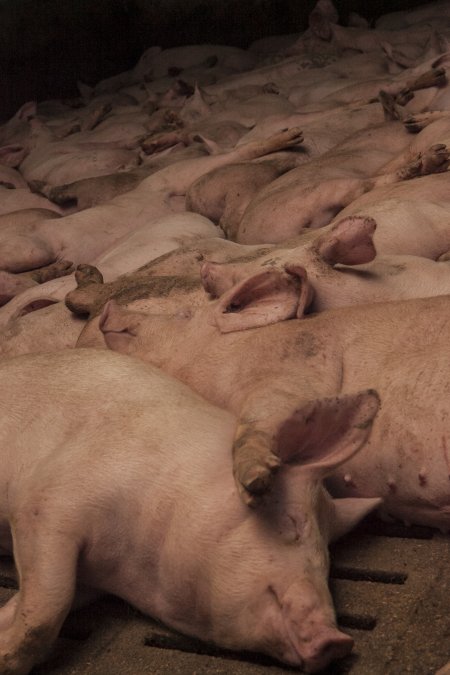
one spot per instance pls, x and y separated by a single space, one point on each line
254 206
412 217
313 258
89 502
236 358
22 199
47 329
80 237
335 268
136 249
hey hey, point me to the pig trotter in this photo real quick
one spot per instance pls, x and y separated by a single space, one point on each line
435 77
87 274
417 122
53 271
389 105
63 195
162 141
254 464
404 96
433 160
83 299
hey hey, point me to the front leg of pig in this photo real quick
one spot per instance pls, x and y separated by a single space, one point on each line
30 622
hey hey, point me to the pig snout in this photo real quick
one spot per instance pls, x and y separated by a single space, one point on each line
314 639
327 645
317 650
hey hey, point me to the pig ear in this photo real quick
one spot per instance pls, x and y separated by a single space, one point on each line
119 326
262 299
348 512
27 111
324 433
12 155
349 242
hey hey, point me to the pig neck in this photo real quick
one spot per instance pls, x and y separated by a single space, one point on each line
237 370
303 359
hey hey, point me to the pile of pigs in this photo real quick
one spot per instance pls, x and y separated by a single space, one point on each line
269 230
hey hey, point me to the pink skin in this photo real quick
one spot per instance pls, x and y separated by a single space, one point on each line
311 195
253 580
334 267
269 369
138 248
46 330
81 237
412 217
363 280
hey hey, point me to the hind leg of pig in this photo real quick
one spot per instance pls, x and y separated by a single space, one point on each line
20 253
46 564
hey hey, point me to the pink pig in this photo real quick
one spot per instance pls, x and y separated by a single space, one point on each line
123 484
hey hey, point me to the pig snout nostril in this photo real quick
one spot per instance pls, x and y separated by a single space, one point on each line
327 649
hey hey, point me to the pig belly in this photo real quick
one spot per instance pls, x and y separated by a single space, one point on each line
407 460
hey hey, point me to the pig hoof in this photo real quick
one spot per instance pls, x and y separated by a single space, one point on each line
388 104
291 137
404 97
53 271
63 196
87 274
414 124
435 159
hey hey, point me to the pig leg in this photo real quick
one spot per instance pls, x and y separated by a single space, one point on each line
415 123
164 140
445 670
46 562
392 110
12 284
435 77
96 116
253 149
433 160
90 289
22 252
53 271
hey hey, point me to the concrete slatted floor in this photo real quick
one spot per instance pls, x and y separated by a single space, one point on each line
392 591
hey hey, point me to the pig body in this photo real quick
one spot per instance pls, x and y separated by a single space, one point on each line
393 347
115 494
81 237
136 249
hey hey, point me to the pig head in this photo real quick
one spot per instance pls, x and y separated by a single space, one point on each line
201 561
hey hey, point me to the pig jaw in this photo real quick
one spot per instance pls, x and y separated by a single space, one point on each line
297 628
282 605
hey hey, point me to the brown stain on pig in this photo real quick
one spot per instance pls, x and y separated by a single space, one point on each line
92 298
308 344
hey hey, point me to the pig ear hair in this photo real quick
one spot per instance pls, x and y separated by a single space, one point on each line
264 298
324 433
349 242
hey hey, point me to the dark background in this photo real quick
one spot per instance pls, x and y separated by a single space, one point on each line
47 45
